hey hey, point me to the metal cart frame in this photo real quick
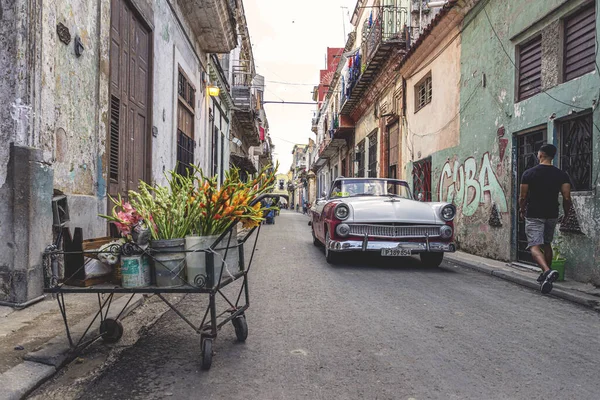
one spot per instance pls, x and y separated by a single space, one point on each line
111 329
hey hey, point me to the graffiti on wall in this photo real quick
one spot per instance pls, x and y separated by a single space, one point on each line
469 187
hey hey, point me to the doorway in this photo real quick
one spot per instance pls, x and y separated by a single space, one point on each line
130 62
528 145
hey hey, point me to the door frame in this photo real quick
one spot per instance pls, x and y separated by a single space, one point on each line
145 20
514 253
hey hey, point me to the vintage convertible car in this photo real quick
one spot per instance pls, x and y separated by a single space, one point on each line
380 215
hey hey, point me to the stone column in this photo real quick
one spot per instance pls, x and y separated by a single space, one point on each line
26 225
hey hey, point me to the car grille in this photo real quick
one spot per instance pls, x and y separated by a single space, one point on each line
389 231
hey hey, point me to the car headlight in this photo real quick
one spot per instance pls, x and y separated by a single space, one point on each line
448 212
341 212
342 230
446 232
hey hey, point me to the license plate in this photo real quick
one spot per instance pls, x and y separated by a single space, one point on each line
395 252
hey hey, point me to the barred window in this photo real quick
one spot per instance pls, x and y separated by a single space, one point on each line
185 124
423 92
373 155
576 151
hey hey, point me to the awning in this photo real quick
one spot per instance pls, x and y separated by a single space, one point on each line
243 163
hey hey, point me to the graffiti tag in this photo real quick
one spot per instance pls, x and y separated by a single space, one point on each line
466 188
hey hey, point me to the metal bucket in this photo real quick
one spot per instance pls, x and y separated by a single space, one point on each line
169 264
135 271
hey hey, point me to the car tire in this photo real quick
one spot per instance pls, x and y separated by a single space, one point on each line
432 260
330 256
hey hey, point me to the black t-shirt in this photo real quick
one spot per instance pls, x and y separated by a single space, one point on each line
544 183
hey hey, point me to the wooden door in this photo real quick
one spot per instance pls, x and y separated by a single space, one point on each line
129 93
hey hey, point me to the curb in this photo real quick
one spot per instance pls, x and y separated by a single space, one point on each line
573 296
40 365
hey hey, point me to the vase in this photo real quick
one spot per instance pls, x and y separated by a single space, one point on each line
168 262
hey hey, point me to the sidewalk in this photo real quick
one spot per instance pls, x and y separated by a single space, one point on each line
585 294
33 341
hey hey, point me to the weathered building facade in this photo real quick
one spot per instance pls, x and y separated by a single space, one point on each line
100 95
535 81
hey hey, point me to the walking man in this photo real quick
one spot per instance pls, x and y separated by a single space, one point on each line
538 203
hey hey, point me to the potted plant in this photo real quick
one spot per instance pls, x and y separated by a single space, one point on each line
216 208
558 259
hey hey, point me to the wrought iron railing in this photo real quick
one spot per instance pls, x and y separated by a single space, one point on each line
390 25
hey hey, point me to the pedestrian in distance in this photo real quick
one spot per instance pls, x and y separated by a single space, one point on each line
297 207
305 208
538 205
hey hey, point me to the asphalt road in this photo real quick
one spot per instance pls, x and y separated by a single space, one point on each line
367 329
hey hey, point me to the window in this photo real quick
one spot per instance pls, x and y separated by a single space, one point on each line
580 43
421 175
373 155
360 157
185 124
576 151
530 68
423 92
393 151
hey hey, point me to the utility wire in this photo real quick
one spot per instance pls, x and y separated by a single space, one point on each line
544 91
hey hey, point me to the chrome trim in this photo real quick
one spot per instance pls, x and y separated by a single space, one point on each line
377 245
395 231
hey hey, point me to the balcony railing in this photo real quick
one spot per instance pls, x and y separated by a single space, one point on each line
389 31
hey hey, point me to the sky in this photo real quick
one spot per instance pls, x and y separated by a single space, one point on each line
289 42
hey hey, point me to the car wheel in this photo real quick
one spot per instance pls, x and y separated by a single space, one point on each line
432 259
330 256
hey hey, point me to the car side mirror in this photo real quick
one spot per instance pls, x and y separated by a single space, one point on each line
420 197
323 195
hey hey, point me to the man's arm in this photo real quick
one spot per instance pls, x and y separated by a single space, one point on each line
523 199
565 189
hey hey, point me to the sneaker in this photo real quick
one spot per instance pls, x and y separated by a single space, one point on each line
546 286
542 276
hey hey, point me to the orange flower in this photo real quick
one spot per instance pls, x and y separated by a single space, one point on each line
228 210
238 212
218 216
214 198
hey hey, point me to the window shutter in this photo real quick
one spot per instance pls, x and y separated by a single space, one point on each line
580 41
530 68
115 108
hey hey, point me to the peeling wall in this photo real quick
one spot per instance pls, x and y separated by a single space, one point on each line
435 126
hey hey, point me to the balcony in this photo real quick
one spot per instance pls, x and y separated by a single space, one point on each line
389 33
245 104
213 23
315 125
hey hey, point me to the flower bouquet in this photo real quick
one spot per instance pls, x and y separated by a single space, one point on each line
187 208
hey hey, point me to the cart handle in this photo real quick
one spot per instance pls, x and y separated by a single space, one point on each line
265 196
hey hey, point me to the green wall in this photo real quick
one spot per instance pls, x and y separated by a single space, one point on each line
490 120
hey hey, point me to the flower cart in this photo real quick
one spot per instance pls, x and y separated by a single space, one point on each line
180 238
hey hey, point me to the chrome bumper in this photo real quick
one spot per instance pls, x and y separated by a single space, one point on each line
377 245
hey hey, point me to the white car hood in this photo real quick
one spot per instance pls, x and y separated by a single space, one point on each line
385 210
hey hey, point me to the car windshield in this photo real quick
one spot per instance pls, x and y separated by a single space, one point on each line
369 187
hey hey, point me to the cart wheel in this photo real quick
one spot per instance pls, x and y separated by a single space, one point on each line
111 330
241 328
207 354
